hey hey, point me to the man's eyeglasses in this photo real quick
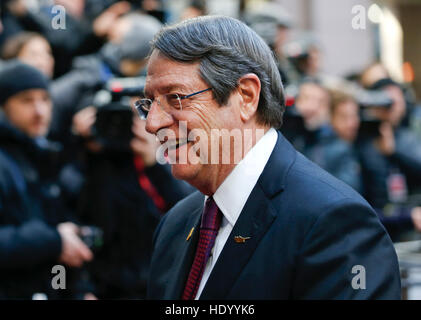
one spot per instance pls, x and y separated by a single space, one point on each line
169 101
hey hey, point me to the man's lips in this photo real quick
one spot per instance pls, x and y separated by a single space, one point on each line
177 143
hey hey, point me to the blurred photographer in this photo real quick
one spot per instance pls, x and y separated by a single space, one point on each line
36 231
313 104
391 162
82 29
330 124
304 54
125 192
342 156
273 23
31 48
124 55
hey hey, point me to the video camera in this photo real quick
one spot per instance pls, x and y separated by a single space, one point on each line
369 101
92 236
113 126
293 122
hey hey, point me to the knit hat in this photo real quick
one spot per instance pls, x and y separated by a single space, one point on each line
16 77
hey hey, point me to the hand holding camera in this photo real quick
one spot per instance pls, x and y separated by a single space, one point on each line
74 251
385 143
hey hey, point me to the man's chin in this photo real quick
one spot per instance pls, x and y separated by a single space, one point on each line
184 172
35 133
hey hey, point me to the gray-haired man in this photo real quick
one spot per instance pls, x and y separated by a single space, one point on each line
274 225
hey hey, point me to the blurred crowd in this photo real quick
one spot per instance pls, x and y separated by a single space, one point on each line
79 181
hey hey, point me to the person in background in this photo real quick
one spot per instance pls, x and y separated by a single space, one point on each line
36 230
341 157
82 34
154 8
31 48
344 116
312 106
126 203
273 23
124 55
304 53
391 162
331 123
196 8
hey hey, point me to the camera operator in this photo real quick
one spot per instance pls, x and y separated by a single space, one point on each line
391 162
304 54
125 193
273 23
341 155
124 55
31 48
331 123
36 231
312 107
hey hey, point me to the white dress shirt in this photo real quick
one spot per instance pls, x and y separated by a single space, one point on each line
232 194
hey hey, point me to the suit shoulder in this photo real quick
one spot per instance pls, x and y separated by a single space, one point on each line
309 184
186 206
175 219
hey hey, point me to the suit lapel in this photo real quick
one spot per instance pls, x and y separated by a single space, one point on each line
184 259
255 219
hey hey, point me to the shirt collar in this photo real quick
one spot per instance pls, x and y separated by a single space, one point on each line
232 194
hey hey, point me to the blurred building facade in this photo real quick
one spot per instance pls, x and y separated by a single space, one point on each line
387 30
391 34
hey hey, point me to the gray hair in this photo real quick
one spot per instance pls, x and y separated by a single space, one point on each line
227 49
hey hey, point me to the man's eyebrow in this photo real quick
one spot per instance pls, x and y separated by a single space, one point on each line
166 89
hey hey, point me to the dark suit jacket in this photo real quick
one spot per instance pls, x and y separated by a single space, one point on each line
307 231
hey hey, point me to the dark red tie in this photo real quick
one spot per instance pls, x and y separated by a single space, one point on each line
211 221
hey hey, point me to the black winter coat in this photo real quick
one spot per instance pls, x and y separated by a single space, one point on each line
29 242
114 201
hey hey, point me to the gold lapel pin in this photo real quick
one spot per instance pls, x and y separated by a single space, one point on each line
189 236
240 239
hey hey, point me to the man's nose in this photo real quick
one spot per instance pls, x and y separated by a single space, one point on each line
41 107
157 119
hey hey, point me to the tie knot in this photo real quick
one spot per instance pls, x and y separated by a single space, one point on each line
211 218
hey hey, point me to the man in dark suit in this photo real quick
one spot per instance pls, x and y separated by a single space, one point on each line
266 223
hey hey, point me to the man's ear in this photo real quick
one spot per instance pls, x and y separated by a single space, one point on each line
249 90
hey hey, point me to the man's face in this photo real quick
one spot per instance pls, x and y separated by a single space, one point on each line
346 120
313 104
396 112
30 111
200 113
37 53
280 39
